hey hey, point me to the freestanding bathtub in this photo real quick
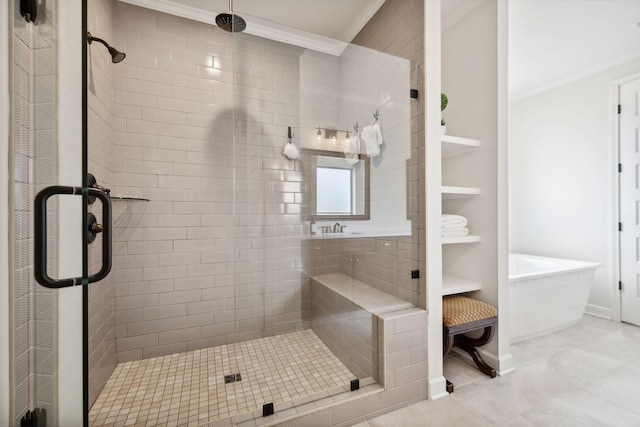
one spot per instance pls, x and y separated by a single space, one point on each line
546 294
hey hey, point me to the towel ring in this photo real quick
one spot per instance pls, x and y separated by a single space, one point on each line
376 115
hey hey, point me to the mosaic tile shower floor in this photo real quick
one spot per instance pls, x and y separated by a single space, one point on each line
188 389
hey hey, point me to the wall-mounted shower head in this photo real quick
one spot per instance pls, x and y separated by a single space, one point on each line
230 22
116 55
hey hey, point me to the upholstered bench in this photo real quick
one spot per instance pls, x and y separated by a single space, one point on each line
461 315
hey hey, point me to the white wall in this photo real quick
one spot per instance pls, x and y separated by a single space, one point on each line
561 176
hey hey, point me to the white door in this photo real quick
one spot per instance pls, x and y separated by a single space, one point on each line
630 201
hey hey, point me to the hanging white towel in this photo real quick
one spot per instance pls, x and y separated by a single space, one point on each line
372 137
352 149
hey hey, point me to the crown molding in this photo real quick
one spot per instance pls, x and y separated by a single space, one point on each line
271 30
255 26
362 19
536 90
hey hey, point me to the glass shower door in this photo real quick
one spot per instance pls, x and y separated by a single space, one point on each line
295 341
51 226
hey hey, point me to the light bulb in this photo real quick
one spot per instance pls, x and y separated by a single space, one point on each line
319 136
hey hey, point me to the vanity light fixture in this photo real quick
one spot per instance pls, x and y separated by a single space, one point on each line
333 135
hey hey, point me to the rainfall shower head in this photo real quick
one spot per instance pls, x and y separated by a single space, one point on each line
116 55
230 22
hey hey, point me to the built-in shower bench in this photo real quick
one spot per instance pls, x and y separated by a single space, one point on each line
363 325
361 294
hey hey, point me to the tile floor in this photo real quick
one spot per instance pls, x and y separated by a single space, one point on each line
586 375
189 388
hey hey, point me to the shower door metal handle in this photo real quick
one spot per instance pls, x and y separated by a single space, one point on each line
40 237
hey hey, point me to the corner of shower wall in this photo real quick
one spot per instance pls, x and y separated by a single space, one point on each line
101 124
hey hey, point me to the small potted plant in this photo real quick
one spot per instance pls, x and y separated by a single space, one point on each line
443 104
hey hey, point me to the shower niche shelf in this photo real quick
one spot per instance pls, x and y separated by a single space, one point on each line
139 199
452 285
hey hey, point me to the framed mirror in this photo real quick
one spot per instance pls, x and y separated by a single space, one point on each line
339 185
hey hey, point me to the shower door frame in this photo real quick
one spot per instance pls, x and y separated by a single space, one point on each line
5 354
68 408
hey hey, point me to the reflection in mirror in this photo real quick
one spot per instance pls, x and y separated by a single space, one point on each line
340 186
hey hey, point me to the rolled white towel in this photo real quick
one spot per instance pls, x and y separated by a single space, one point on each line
453 221
458 232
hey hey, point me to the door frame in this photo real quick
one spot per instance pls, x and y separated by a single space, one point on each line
4 218
616 295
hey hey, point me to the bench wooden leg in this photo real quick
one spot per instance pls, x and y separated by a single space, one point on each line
448 342
486 336
469 345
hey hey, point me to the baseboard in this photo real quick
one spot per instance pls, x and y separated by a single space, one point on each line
437 388
599 311
503 365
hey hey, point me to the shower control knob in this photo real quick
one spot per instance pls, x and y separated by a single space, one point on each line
93 227
92 182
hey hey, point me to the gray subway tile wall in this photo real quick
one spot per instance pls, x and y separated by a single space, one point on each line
209 242
349 330
101 117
